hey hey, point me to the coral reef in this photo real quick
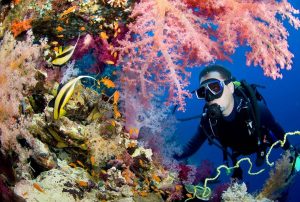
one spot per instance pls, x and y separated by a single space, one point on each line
238 192
108 139
84 155
278 182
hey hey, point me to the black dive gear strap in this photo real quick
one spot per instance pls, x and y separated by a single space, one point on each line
249 93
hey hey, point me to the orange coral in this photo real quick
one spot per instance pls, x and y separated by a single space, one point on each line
19 27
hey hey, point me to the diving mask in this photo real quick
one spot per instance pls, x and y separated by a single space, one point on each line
211 89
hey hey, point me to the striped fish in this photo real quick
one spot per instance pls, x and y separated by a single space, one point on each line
64 96
64 55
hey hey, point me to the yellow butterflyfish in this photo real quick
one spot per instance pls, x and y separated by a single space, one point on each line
64 95
64 55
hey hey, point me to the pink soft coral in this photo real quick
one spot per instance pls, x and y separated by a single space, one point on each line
165 38
256 24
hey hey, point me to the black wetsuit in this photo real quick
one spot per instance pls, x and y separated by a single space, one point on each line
232 131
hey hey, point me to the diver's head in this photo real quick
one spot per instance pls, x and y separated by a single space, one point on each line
216 87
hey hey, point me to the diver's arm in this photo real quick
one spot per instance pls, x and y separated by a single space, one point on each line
193 145
271 124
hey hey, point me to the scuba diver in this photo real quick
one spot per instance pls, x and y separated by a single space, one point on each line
236 115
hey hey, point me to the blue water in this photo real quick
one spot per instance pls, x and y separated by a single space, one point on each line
282 96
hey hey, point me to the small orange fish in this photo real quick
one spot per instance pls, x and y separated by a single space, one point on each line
109 62
115 54
116 97
16 1
156 178
131 145
82 28
72 165
189 195
113 123
178 187
133 131
108 83
80 163
92 160
59 29
116 112
82 183
143 193
38 187
54 43
69 10
60 36
103 35
141 163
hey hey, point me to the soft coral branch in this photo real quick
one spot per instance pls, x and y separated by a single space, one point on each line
165 36
256 24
